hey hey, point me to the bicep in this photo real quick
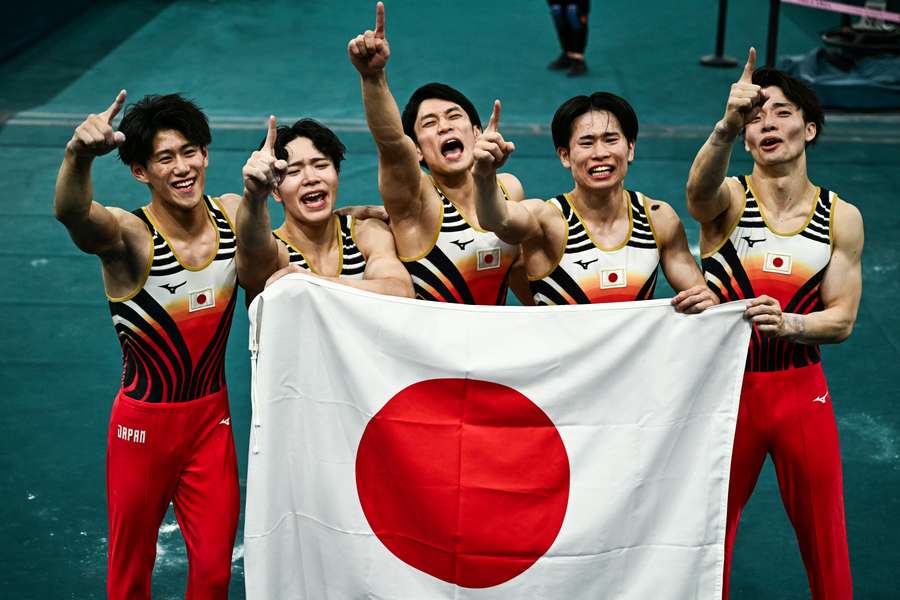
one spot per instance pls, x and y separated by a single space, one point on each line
678 263
377 245
526 220
253 271
708 207
400 179
97 232
842 282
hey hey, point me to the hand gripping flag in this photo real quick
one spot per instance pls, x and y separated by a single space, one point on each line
404 449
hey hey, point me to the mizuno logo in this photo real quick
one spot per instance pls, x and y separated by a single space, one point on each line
751 241
821 398
460 244
584 263
171 288
225 421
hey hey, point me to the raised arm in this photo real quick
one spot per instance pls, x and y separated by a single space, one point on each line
94 228
400 179
512 221
678 264
709 193
840 290
257 250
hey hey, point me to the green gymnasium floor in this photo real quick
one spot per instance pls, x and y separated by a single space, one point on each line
244 60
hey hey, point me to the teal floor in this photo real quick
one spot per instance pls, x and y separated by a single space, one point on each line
244 60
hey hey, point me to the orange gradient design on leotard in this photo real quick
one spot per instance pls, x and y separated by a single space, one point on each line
780 286
598 295
484 285
197 328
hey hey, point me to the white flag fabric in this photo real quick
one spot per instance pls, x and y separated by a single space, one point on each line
403 449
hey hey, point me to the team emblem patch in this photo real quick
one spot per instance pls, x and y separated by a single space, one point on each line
613 278
777 263
489 258
202 299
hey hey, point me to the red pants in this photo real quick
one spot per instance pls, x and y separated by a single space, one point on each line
181 453
788 414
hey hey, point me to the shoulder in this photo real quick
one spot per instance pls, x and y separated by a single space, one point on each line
664 221
847 224
371 233
513 186
230 204
660 213
130 223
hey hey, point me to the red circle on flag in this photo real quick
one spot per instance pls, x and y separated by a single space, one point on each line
777 261
488 259
466 480
613 277
201 298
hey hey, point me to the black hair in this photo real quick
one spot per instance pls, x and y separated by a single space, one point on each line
321 137
571 109
797 92
152 114
441 92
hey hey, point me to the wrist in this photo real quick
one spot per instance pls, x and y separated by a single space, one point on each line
374 77
793 326
724 133
78 159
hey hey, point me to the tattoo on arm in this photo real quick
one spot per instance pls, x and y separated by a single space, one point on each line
795 326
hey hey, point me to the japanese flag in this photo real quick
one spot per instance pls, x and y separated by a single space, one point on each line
407 449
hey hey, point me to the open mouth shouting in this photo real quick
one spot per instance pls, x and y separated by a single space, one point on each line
770 143
314 200
452 149
185 186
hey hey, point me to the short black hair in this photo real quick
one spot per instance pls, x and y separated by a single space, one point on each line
441 92
152 114
797 92
321 137
571 109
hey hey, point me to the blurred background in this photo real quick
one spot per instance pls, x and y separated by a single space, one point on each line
241 61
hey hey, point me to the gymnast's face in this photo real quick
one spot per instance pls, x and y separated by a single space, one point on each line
309 189
598 154
175 171
445 136
778 133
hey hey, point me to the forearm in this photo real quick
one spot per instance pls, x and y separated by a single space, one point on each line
257 250
710 168
389 286
382 113
490 205
829 326
254 227
74 190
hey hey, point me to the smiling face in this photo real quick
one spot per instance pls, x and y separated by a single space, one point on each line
445 136
778 133
175 170
598 154
309 189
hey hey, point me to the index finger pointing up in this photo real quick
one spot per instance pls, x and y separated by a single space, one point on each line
379 20
271 134
494 123
114 108
747 75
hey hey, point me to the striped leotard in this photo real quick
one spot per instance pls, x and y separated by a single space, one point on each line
587 273
755 260
173 329
352 262
464 264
